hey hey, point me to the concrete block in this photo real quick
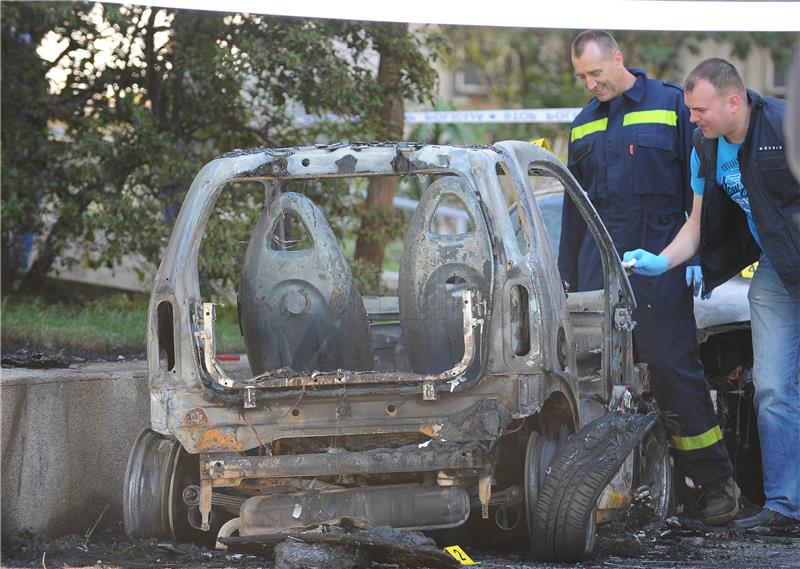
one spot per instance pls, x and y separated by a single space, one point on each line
66 435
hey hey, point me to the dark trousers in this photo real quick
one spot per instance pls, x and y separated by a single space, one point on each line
665 337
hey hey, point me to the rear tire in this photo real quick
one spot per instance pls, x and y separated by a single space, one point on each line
152 504
145 497
538 455
564 519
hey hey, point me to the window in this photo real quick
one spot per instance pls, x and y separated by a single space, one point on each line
514 208
549 195
777 74
289 234
470 80
451 217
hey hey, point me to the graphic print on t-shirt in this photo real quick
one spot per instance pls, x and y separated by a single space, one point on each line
729 176
732 182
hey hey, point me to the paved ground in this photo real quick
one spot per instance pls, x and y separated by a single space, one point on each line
685 545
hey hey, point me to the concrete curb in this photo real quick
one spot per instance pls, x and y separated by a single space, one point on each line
66 435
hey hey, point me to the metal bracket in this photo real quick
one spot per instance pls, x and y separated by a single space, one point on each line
623 319
205 503
429 391
485 494
210 346
249 397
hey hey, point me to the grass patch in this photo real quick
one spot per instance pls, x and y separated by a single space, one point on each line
118 321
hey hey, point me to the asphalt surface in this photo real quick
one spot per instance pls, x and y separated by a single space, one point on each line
683 543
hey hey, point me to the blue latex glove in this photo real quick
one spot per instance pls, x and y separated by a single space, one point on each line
646 264
694 279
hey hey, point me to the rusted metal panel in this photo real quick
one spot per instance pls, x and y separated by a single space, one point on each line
214 440
410 458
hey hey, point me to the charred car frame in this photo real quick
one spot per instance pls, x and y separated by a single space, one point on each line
445 401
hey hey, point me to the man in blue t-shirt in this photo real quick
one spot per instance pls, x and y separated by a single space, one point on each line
729 177
747 207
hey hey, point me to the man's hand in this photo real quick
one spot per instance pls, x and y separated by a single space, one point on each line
694 279
646 263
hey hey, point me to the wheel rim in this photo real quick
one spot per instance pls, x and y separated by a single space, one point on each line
185 471
539 453
180 477
144 506
655 472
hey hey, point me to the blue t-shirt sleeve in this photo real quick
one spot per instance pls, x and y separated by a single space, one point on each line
697 183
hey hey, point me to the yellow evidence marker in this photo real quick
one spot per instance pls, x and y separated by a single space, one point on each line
459 555
543 143
749 270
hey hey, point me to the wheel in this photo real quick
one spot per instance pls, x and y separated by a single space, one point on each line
564 516
153 501
653 470
538 454
144 500
184 519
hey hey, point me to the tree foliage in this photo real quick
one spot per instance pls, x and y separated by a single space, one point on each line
149 95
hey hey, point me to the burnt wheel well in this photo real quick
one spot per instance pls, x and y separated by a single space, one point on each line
556 412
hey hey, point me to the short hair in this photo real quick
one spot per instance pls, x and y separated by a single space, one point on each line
604 40
720 73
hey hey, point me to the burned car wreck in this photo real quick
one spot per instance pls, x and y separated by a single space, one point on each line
477 389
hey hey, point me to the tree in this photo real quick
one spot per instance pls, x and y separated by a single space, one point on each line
30 158
181 88
400 60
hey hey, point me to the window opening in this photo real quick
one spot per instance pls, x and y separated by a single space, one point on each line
520 321
289 234
166 336
451 217
513 206
549 195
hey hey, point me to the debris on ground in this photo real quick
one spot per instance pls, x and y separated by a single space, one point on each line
296 554
35 360
679 539
381 545
679 542
37 356
331 548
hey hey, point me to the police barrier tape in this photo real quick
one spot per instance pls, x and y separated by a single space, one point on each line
561 115
507 116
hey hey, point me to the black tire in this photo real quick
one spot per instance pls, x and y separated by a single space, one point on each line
538 454
564 516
